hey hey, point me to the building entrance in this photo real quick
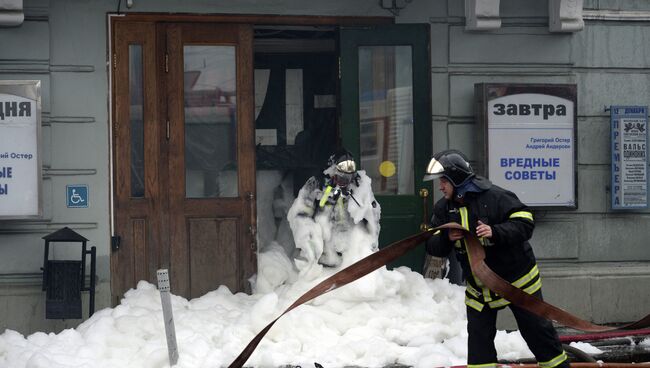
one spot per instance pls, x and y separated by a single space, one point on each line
216 126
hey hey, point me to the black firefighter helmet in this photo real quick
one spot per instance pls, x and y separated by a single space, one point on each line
345 169
450 164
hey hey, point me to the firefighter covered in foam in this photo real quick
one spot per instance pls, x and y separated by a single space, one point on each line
335 218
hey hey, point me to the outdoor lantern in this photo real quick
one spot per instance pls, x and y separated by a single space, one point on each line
64 280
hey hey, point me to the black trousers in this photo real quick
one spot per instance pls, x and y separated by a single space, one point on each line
538 332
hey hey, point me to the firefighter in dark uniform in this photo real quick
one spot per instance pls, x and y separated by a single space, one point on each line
503 225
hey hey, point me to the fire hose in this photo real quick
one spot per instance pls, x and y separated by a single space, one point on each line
477 262
603 335
574 365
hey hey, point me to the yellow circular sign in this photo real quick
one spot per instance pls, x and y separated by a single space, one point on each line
387 169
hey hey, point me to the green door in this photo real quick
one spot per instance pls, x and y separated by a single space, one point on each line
386 122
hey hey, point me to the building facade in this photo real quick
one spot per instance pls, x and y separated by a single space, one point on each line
192 125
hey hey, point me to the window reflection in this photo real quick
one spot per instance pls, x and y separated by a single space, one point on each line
386 117
136 98
210 121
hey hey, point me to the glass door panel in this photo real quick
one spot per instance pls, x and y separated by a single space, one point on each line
210 106
386 117
386 122
136 116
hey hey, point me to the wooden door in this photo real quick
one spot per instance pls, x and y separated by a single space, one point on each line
183 156
211 156
138 201
386 122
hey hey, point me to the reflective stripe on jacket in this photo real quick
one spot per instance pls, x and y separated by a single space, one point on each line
507 252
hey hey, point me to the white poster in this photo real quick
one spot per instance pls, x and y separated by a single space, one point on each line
531 147
20 166
629 157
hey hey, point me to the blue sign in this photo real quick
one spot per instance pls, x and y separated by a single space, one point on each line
629 157
77 195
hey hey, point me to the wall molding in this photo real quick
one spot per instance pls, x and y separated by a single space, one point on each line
41 226
70 119
616 15
41 66
68 172
72 68
595 269
34 66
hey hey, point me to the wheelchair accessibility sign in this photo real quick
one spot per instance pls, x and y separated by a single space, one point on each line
77 196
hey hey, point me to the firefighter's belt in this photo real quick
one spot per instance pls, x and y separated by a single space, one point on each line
477 261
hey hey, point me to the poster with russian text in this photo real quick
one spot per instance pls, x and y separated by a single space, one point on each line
531 147
629 157
20 166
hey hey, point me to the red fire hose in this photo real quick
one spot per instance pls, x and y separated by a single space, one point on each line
603 335
484 273
575 365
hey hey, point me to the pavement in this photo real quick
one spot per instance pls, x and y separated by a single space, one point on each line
624 349
615 350
620 351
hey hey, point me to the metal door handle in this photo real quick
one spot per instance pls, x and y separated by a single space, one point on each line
424 226
252 228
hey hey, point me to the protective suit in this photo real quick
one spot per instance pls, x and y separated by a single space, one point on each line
330 212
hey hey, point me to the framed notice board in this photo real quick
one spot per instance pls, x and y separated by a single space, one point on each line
629 157
529 141
20 146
